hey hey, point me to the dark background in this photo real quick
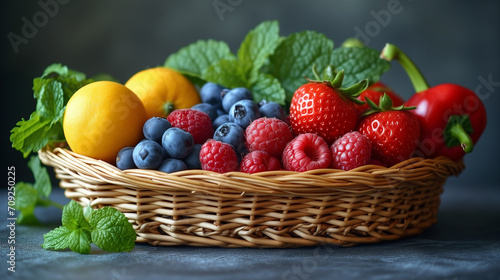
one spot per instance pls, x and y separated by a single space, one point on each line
451 41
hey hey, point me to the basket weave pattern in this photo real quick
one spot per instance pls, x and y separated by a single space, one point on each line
269 209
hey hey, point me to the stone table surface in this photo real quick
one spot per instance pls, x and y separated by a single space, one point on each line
463 244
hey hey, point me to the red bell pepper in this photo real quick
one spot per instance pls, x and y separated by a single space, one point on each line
452 117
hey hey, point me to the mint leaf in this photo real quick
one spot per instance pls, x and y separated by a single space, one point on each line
33 134
111 230
195 58
79 241
42 185
228 73
52 91
258 44
26 201
359 63
266 87
50 103
26 196
294 58
57 239
73 218
61 238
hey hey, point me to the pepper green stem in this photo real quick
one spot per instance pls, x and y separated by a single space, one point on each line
391 52
458 131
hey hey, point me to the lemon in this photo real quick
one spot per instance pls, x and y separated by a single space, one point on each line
101 118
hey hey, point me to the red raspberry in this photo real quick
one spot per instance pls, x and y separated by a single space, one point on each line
193 121
306 152
268 134
259 161
217 156
351 150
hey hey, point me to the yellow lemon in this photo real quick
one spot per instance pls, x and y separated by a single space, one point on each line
163 90
101 118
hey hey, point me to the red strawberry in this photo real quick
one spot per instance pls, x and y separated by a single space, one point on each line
374 93
325 109
393 132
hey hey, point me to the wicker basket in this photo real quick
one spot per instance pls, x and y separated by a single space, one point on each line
269 209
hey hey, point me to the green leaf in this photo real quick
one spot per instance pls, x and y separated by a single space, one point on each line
42 179
359 63
258 44
266 87
228 73
294 58
57 239
26 201
111 230
73 218
50 103
61 238
27 217
33 134
52 91
194 59
26 196
80 240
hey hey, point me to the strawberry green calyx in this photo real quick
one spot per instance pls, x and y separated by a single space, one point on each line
335 79
384 105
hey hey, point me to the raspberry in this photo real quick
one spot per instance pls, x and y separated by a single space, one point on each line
306 152
259 161
193 121
268 134
217 156
351 150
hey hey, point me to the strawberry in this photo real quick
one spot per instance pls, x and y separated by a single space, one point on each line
374 93
393 131
323 108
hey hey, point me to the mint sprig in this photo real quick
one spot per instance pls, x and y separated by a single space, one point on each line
359 63
32 195
52 91
296 55
107 228
273 67
212 61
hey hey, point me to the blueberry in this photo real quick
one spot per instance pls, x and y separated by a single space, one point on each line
171 165
147 154
192 160
232 134
124 158
209 109
220 120
235 95
244 112
154 128
212 93
177 142
271 110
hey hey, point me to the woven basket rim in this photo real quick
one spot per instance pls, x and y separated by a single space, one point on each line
314 182
269 209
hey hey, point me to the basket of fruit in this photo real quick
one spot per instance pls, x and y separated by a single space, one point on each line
236 165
